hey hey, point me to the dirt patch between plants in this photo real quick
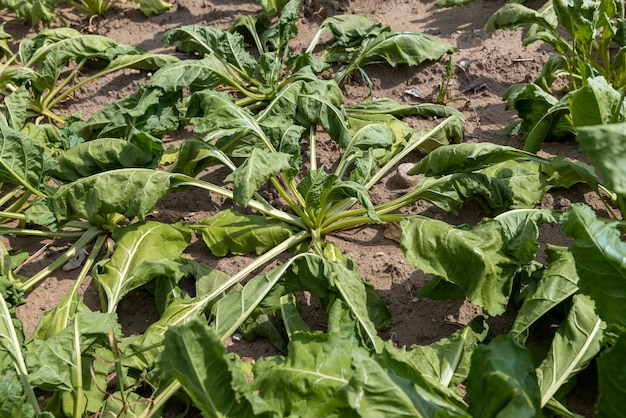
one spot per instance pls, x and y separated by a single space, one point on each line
493 62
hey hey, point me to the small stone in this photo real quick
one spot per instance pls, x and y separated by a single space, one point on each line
237 337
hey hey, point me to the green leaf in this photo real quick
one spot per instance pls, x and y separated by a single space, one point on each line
381 45
577 341
153 7
319 103
514 15
271 7
596 103
525 180
101 155
448 360
313 186
313 375
143 251
374 390
285 28
612 380
260 294
130 192
14 403
474 258
56 363
205 40
522 230
217 114
255 171
290 144
320 189
279 115
599 256
354 294
542 115
143 61
341 190
502 381
196 74
230 232
408 48
427 396
151 111
557 283
450 192
326 375
23 161
606 146
387 106
17 107
195 155
194 355
465 157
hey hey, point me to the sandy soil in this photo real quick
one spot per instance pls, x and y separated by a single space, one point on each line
495 62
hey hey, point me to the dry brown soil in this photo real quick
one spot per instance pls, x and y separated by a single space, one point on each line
496 61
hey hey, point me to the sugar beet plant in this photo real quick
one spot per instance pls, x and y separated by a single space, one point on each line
262 120
590 61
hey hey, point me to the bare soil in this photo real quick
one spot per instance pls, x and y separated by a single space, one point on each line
496 61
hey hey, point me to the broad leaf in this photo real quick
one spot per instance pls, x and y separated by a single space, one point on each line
57 361
230 232
577 341
599 256
217 114
130 192
522 230
194 355
596 103
351 288
17 107
195 155
14 403
23 161
143 251
612 380
408 48
474 258
514 15
205 40
259 167
238 306
279 115
196 74
502 381
606 145
100 155
465 157
448 360
379 390
315 372
150 111
557 283
387 106
319 103
450 192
